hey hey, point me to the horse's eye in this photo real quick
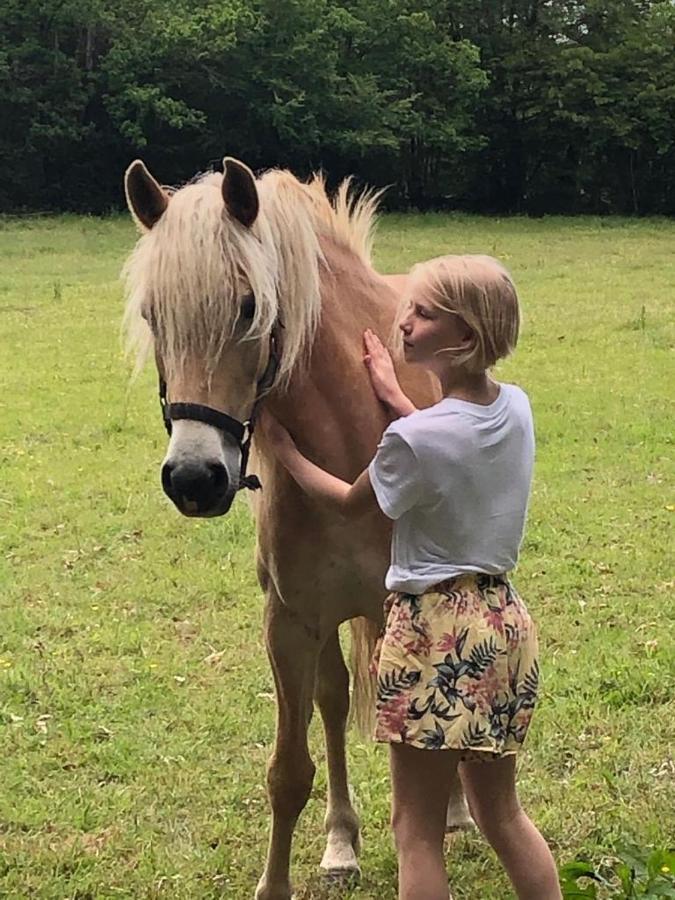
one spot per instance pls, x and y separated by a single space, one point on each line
247 309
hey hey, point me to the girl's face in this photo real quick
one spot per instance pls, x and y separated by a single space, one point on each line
428 329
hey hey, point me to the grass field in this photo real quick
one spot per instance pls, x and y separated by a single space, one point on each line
136 705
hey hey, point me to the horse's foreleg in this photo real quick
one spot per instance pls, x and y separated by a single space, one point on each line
341 822
293 651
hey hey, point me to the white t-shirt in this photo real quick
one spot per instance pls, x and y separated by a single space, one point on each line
456 479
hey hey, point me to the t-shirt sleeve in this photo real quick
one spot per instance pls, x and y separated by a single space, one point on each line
395 475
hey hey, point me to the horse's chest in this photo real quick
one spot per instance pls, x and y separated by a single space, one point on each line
332 568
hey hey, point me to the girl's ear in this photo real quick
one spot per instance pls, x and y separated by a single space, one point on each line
469 336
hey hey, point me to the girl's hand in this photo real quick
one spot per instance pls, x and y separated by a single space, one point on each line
380 368
278 437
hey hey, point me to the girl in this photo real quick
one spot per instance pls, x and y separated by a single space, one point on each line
457 662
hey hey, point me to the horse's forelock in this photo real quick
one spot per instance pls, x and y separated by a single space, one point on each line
189 267
189 270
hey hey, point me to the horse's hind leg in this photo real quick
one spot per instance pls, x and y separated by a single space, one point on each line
341 822
293 650
458 817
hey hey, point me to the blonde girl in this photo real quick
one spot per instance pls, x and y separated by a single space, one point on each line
457 663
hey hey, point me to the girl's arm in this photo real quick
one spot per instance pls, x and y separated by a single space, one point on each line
383 377
347 499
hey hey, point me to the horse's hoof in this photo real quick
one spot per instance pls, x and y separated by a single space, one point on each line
456 827
341 875
458 818
339 861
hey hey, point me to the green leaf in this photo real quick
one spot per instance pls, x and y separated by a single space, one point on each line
578 869
626 876
570 872
660 860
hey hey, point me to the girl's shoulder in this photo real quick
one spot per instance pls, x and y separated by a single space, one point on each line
461 420
517 398
427 426
422 418
514 390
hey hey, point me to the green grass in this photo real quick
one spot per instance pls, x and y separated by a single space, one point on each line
136 710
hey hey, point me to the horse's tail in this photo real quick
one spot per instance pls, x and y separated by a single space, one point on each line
364 634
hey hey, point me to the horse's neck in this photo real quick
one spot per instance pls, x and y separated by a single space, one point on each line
331 408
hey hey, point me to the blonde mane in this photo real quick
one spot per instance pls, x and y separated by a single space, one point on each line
188 273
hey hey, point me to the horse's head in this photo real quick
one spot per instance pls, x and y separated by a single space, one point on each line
202 284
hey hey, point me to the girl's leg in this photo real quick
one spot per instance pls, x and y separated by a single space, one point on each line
491 791
420 789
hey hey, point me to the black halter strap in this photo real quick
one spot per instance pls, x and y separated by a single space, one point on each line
242 432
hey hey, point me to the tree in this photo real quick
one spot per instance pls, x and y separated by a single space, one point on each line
506 105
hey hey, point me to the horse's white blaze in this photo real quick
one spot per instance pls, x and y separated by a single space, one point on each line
194 442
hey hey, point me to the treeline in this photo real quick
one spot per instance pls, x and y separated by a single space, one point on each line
490 105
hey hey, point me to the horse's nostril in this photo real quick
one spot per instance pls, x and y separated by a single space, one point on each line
218 476
167 469
200 482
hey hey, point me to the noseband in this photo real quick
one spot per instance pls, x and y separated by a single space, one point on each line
242 432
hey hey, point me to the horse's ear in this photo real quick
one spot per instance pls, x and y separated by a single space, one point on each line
239 191
145 198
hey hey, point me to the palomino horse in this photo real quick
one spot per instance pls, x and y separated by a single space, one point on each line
247 289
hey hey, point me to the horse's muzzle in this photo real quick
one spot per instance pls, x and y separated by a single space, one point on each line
198 489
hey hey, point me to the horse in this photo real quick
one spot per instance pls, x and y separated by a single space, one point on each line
257 291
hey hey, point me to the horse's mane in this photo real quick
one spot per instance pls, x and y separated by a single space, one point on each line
189 271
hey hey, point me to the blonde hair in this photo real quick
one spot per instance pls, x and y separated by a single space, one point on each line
187 267
481 292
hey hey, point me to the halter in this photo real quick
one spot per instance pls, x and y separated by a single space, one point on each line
242 432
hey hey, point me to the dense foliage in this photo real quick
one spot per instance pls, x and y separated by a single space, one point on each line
495 105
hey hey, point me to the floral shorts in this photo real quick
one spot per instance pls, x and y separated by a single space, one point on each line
457 668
